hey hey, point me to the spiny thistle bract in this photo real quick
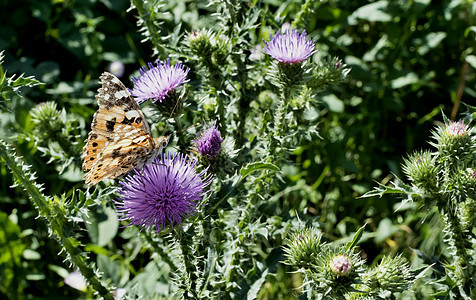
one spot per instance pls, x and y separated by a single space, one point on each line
200 42
210 48
391 275
302 246
330 71
420 168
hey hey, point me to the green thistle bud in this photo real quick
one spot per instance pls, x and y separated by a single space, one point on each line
453 141
390 276
341 265
335 271
462 184
55 128
302 247
267 98
420 169
47 118
330 71
200 42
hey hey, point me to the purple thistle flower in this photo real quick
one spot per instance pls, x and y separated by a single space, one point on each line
156 82
209 143
163 192
290 47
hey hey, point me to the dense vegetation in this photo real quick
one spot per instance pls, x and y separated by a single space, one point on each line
296 161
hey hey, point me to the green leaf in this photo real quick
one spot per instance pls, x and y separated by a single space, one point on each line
11 248
373 12
471 59
355 240
102 225
269 267
398 188
469 29
212 257
407 79
385 229
335 104
250 168
31 254
29 81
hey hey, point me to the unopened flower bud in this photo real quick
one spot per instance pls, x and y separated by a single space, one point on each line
200 42
420 169
341 265
302 247
453 140
209 143
392 275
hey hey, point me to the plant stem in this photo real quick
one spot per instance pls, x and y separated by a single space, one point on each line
457 241
147 19
191 291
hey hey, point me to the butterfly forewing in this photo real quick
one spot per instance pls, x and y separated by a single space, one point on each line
120 137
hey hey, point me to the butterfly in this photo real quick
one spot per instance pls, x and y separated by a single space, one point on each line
120 138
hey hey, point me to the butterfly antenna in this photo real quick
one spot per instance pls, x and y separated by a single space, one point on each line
194 125
175 107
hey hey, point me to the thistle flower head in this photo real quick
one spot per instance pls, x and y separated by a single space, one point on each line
289 47
453 141
163 192
341 265
158 82
209 143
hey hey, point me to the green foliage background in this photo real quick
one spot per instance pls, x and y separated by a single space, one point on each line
409 60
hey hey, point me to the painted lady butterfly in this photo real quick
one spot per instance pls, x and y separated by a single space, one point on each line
120 138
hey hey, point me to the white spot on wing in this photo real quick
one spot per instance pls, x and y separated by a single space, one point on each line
107 96
132 132
140 139
132 113
120 94
115 80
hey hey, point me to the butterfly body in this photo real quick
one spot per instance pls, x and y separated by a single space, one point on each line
120 138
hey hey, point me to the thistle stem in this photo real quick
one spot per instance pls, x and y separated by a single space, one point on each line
190 292
221 111
153 31
457 241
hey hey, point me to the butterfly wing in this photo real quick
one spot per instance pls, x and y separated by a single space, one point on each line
120 137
